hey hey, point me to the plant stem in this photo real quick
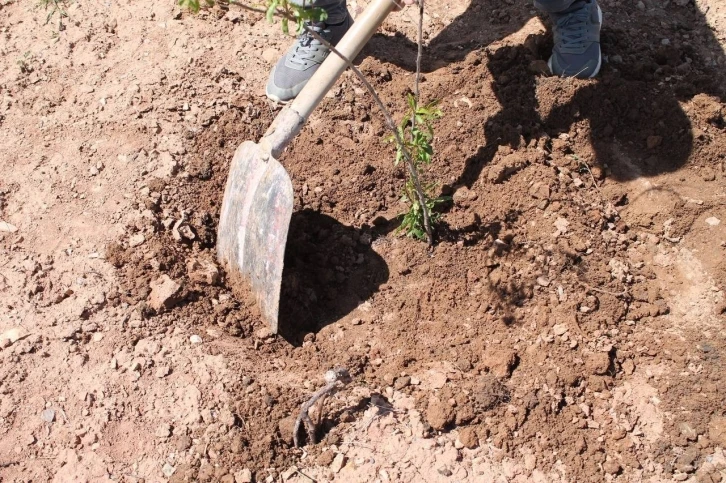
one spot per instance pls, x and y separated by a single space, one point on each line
419 54
386 114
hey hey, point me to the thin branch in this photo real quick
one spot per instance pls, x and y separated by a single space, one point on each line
332 377
419 54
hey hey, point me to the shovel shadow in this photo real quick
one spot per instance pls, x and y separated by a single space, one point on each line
328 272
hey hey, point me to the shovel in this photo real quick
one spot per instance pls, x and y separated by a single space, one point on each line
258 198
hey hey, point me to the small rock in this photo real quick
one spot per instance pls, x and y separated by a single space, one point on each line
687 431
559 329
203 271
437 379
543 281
439 414
611 467
162 371
539 67
444 471
717 431
561 224
640 6
136 240
243 476
163 292
167 166
195 339
356 321
709 174
654 141
326 458
463 194
48 415
264 333
163 431
338 463
713 221
598 363
499 361
168 470
12 336
401 382
7 227
289 473
616 59
468 438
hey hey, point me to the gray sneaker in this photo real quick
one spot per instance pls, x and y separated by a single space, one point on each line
299 64
577 40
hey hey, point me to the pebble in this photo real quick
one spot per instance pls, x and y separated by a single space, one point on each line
444 471
292 471
48 415
561 224
163 431
195 339
713 221
543 281
338 463
264 333
168 470
162 371
611 467
401 382
243 476
136 240
356 321
437 380
559 329
640 5
468 438
162 293
7 227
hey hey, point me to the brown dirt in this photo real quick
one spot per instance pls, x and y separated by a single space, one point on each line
568 325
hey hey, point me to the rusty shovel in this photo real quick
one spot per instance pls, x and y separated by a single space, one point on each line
258 198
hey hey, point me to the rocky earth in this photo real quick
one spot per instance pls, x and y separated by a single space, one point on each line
568 325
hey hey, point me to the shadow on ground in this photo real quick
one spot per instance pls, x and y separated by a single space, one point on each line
330 269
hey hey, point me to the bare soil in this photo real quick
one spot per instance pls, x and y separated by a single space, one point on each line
568 324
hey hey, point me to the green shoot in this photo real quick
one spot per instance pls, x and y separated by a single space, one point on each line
286 10
416 131
55 7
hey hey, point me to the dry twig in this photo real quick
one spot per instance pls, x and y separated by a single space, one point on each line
335 378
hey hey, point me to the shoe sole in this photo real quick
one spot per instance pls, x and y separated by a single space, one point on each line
599 51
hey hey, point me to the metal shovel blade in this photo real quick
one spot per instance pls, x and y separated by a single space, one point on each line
254 222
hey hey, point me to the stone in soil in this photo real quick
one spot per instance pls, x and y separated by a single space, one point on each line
598 363
439 414
163 293
338 463
717 431
469 438
243 476
499 362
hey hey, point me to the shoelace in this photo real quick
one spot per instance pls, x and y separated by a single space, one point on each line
573 29
308 45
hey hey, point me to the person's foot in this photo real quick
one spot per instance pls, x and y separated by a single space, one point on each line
577 40
299 64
